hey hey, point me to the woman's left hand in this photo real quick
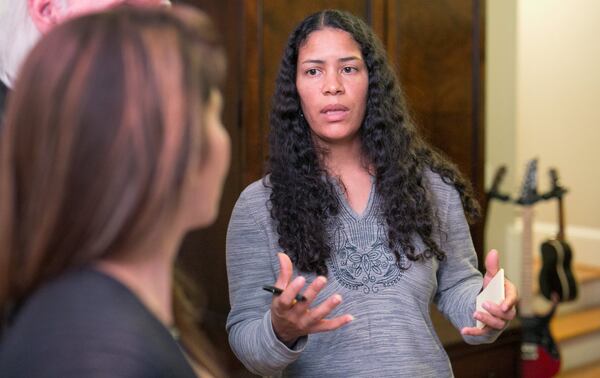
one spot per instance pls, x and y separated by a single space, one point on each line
498 316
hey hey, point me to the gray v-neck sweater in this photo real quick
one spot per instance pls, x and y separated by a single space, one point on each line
392 334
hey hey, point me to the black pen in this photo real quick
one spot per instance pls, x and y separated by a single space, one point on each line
277 291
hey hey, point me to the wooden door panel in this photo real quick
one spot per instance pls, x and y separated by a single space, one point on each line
437 47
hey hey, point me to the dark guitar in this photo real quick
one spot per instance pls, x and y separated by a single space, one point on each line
556 275
539 354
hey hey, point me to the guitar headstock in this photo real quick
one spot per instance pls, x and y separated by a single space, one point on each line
529 194
494 191
556 190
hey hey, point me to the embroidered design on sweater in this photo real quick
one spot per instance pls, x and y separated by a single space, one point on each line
367 267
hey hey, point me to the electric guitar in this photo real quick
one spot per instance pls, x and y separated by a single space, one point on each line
539 354
556 275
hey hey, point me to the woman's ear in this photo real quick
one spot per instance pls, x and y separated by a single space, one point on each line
45 14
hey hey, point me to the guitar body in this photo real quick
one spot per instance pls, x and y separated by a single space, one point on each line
540 357
556 275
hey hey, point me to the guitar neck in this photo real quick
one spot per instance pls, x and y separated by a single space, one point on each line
526 302
561 220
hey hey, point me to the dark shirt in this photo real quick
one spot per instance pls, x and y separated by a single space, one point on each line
3 94
86 324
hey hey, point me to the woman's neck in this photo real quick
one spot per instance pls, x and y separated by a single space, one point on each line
342 158
347 164
149 275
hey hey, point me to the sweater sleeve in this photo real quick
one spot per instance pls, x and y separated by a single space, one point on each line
250 264
459 280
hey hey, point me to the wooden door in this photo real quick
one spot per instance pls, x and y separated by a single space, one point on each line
437 47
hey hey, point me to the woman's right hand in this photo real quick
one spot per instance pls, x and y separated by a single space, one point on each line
292 319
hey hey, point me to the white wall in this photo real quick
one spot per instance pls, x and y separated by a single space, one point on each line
543 100
500 120
558 99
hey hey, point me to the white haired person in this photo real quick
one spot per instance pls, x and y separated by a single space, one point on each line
22 22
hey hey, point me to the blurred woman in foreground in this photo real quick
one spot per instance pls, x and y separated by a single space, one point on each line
113 149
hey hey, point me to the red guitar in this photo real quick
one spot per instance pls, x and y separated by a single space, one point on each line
539 354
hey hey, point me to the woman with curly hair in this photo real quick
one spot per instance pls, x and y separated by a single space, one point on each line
363 209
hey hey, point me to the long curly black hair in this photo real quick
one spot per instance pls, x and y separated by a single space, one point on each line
303 197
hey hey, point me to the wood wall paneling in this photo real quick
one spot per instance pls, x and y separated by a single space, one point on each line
435 70
437 48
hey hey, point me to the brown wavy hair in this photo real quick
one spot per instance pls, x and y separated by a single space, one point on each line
104 123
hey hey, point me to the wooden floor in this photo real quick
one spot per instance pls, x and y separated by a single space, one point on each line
586 273
590 371
577 324
581 323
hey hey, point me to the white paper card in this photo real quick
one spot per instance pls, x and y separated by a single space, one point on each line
494 292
